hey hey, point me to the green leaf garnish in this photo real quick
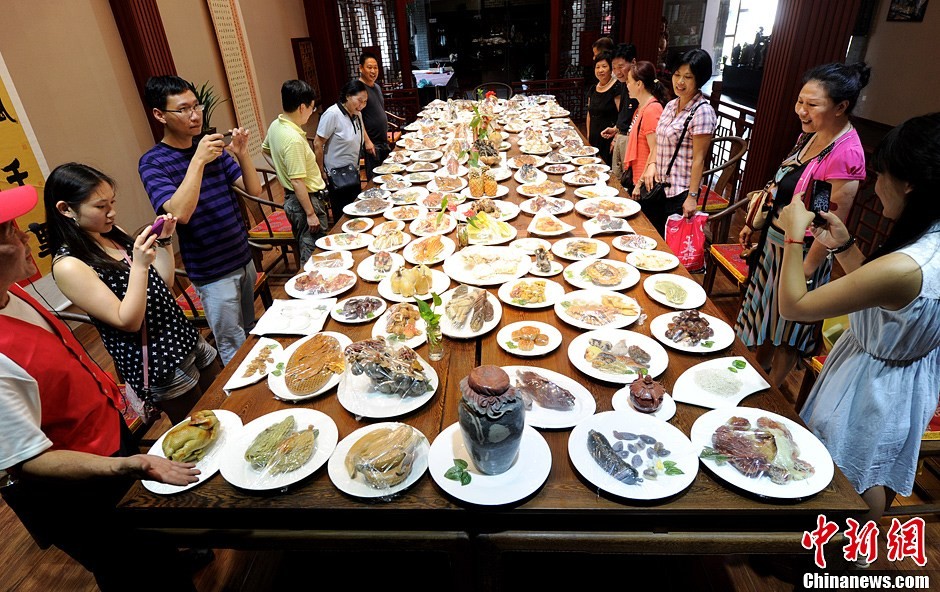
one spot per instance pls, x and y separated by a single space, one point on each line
708 343
709 453
511 345
459 472
461 464
674 471
733 369
739 364
520 301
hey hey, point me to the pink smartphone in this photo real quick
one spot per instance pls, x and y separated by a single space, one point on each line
157 227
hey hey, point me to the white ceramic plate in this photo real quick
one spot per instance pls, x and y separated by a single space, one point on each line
426 155
404 213
467 269
735 385
535 189
593 296
433 200
409 196
359 398
276 379
357 225
420 177
538 177
389 168
502 172
392 183
367 271
336 313
523 478
375 246
580 151
239 472
598 167
374 191
695 294
558 168
507 211
439 283
583 160
560 248
380 331
421 167
560 206
319 261
578 179
618 207
595 191
428 224
357 209
515 162
448 328
344 241
634 242
557 267
722 338
390 225
501 191
399 156
410 251
435 185
658 362
621 402
555 226
208 465
505 340
652 260
592 227
239 380
462 171
681 452
490 239
329 274
553 419
574 275
530 245
553 293
294 317
357 487
811 450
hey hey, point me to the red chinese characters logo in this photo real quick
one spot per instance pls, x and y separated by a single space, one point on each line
862 541
904 540
818 538
907 540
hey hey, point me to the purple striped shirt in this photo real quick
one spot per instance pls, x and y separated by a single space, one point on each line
214 242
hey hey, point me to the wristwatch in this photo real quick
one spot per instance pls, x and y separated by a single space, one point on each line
694 194
164 242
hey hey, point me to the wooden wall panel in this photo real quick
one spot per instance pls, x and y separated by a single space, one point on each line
640 24
323 25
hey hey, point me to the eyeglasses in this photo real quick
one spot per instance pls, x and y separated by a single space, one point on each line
187 111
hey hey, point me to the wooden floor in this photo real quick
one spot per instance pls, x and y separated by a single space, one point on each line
26 568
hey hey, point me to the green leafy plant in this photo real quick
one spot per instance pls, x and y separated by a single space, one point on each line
459 472
209 100
427 311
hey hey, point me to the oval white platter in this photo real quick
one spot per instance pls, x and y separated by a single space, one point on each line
462 171
695 294
409 196
377 246
634 242
593 296
579 179
563 206
447 325
534 190
380 330
574 275
356 209
366 270
239 472
449 247
388 226
426 155
560 248
622 207
554 419
595 191
723 334
357 486
738 383
319 261
357 225
555 226
523 478
462 268
336 312
507 211
611 225
652 260
329 274
537 176
681 452
556 268
359 397
439 283
428 224
276 379
530 245
553 293
208 465
580 151
344 241
505 340
435 184
811 450
558 168
239 380
404 213
516 162
621 402
659 359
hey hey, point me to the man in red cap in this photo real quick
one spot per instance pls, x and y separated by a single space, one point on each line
66 457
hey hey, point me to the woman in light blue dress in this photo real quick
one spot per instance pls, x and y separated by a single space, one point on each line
879 386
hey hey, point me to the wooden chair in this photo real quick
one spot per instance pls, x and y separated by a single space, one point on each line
267 224
502 90
395 125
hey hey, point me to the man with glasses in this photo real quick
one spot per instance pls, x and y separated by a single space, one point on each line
623 60
191 179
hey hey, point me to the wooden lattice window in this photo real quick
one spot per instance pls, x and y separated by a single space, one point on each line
369 25
582 23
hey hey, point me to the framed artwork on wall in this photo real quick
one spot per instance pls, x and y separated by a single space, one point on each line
305 61
911 11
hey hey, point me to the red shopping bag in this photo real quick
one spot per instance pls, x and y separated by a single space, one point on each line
686 238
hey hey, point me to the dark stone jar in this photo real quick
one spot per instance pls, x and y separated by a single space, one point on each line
491 425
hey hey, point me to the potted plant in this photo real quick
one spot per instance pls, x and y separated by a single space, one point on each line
433 321
206 97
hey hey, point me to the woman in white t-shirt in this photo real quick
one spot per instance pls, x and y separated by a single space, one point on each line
338 145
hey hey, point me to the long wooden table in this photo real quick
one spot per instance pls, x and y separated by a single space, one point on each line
567 513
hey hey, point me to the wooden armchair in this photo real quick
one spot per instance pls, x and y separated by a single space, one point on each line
395 125
267 224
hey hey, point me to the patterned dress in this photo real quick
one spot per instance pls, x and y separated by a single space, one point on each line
878 388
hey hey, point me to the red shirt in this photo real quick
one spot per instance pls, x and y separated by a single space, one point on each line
79 400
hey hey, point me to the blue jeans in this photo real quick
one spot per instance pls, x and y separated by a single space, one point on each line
229 303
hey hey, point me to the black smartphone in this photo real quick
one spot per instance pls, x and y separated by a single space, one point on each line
819 196
227 137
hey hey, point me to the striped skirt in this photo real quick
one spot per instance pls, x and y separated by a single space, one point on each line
759 320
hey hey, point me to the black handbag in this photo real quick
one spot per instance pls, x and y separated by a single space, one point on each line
658 190
344 177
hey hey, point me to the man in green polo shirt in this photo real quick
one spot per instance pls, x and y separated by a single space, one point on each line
296 166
